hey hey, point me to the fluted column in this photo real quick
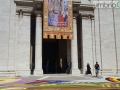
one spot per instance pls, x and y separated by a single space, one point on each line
38 46
74 51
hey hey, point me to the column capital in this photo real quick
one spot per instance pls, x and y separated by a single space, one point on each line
38 13
74 17
74 20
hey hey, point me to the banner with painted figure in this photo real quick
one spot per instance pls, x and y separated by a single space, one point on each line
58 13
57 19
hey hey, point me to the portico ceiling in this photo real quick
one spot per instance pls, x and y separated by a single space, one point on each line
28 6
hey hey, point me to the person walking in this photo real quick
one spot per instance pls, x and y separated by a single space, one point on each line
97 68
88 69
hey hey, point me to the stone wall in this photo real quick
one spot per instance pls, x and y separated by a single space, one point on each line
101 39
117 37
4 33
87 43
15 38
105 39
12 36
23 65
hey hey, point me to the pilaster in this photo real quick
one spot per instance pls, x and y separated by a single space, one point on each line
38 46
11 50
16 42
24 45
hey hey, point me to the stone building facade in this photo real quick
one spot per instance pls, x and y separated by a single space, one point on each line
95 30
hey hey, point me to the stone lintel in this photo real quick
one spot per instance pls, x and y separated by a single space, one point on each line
26 14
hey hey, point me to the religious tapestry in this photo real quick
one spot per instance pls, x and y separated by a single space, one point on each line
57 19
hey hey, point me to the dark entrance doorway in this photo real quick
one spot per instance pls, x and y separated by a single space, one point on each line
50 56
52 52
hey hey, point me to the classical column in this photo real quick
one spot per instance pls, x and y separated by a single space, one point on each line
38 46
87 43
74 50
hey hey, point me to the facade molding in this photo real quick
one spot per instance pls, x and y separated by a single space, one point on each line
84 9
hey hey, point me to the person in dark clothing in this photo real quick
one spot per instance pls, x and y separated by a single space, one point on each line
68 68
97 68
88 69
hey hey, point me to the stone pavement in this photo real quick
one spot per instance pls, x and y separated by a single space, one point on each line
59 81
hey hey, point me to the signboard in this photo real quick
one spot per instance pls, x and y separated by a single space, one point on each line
57 19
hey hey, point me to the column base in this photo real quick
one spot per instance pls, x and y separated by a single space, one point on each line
76 72
38 72
23 73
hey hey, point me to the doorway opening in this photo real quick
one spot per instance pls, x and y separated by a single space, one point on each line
53 51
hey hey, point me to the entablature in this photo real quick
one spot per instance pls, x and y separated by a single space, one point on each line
28 6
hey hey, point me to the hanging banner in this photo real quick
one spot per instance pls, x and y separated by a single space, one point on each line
57 19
